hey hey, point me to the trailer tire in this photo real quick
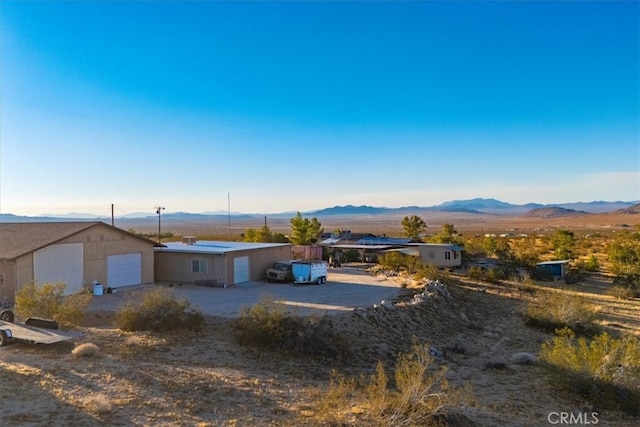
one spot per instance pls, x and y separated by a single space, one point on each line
4 340
319 281
324 280
7 316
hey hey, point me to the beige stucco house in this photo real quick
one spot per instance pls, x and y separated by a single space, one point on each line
76 253
216 263
441 255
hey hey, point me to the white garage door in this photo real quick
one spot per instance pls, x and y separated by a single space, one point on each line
240 269
60 263
124 269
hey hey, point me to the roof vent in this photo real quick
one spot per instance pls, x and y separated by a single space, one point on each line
189 240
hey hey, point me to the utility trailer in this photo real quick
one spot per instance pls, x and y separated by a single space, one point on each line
309 272
33 331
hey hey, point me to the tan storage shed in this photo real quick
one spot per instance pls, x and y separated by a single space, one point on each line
76 253
216 263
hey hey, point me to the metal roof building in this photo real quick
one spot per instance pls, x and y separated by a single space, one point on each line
217 263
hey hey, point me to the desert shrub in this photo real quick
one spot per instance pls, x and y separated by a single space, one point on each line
626 287
87 349
392 260
351 255
98 403
73 308
418 395
159 310
573 276
427 271
475 273
605 370
555 310
494 275
267 324
623 292
592 265
47 302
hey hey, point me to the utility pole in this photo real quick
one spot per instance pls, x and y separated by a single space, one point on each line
159 210
113 221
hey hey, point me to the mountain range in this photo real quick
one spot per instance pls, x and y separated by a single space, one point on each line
478 205
471 206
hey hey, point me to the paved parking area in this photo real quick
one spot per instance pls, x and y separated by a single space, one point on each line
345 290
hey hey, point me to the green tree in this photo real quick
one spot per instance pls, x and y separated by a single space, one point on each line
624 254
448 234
563 243
250 235
592 264
413 226
490 245
305 231
265 235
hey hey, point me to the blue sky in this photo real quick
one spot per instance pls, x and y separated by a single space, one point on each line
303 105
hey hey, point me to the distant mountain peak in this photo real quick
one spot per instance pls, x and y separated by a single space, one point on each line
553 212
350 210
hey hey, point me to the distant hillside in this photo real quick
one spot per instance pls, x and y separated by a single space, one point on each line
553 212
632 210
350 210
471 206
477 204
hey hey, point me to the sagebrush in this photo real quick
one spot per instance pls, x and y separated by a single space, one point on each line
48 302
418 394
268 324
159 310
556 310
605 370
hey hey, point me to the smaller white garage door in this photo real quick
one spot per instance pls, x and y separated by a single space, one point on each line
240 269
124 269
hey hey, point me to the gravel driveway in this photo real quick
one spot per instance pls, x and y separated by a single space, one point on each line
345 290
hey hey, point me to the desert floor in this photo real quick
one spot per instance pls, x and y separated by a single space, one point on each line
208 379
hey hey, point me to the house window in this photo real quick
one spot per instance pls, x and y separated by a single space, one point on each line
455 254
1 280
199 266
447 255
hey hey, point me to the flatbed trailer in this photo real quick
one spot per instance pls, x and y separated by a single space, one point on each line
11 332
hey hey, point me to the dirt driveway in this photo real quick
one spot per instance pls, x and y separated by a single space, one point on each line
346 289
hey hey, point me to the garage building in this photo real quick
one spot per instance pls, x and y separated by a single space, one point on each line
216 263
76 253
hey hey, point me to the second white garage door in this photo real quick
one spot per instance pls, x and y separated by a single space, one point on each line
240 269
124 269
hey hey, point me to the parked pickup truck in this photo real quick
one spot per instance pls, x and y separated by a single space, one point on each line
280 272
309 272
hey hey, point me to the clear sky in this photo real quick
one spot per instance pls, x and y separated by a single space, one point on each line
298 105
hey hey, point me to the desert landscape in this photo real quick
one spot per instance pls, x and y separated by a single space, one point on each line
476 331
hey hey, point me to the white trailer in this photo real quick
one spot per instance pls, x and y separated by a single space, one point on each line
309 272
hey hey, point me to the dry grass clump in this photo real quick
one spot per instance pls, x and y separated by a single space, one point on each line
420 395
623 292
605 370
555 310
86 350
160 310
268 324
97 403
47 302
